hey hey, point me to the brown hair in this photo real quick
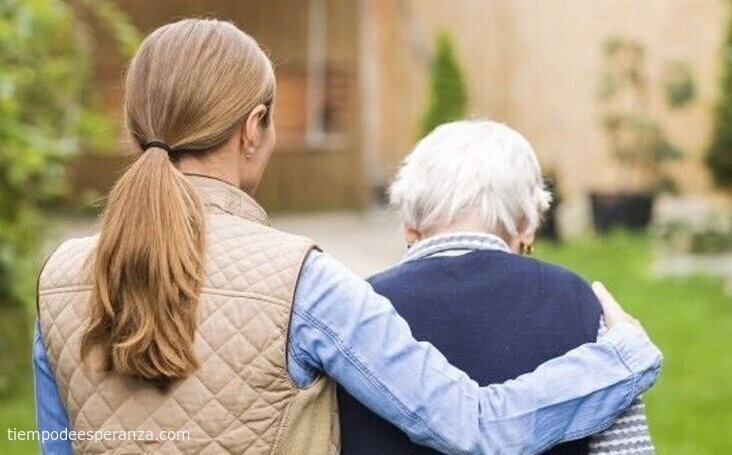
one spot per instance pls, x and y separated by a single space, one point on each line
190 85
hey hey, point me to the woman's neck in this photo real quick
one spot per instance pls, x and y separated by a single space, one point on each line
464 226
215 164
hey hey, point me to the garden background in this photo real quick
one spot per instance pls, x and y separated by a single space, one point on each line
629 107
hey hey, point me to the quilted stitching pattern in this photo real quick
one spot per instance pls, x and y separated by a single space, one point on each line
235 402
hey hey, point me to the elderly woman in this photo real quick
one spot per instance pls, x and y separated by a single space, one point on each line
471 198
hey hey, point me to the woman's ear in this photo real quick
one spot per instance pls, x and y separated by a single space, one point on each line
412 235
528 238
522 241
253 128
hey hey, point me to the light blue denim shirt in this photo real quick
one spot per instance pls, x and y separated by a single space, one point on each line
342 328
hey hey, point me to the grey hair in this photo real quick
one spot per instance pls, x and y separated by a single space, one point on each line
471 168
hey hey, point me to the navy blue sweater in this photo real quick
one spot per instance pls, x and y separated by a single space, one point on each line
493 314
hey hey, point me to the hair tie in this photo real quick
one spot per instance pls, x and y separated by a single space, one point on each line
160 145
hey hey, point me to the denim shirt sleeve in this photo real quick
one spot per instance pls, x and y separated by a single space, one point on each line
50 413
629 434
342 328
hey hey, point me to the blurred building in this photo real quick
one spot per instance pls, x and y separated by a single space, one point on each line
537 65
352 78
315 48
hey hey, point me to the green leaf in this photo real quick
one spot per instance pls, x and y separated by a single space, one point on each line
448 98
46 113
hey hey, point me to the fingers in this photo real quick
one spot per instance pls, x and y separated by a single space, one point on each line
613 312
606 299
610 307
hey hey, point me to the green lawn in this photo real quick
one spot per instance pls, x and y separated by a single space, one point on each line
690 409
17 414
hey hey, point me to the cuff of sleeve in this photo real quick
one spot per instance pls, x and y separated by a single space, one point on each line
638 353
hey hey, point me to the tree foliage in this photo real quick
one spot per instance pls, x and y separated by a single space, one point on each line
46 116
719 154
448 97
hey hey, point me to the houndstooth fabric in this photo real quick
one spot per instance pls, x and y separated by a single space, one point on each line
628 435
241 399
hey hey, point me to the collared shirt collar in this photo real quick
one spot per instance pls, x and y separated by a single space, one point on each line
222 196
455 244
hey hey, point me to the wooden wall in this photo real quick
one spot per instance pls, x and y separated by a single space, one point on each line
554 72
405 35
299 177
536 65
532 64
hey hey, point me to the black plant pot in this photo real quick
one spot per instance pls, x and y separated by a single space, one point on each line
550 225
549 229
621 210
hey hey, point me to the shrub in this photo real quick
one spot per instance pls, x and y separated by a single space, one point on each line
45 117
719 154
448 97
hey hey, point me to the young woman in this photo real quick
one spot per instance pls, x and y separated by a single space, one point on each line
187 312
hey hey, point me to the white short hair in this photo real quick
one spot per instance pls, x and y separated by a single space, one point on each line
471 168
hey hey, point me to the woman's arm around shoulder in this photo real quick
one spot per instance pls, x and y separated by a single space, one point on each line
341 327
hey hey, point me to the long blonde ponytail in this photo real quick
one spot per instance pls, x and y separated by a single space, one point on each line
189 86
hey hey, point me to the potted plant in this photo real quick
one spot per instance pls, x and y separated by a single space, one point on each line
636 139
550 225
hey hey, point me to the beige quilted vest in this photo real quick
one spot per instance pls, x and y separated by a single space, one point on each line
241 400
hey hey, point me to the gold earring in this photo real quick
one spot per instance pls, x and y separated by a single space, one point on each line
526 250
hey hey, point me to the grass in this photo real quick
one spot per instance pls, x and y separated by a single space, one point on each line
690 319
689 410
18 414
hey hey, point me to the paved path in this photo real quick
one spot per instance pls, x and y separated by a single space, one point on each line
372 241
367 242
